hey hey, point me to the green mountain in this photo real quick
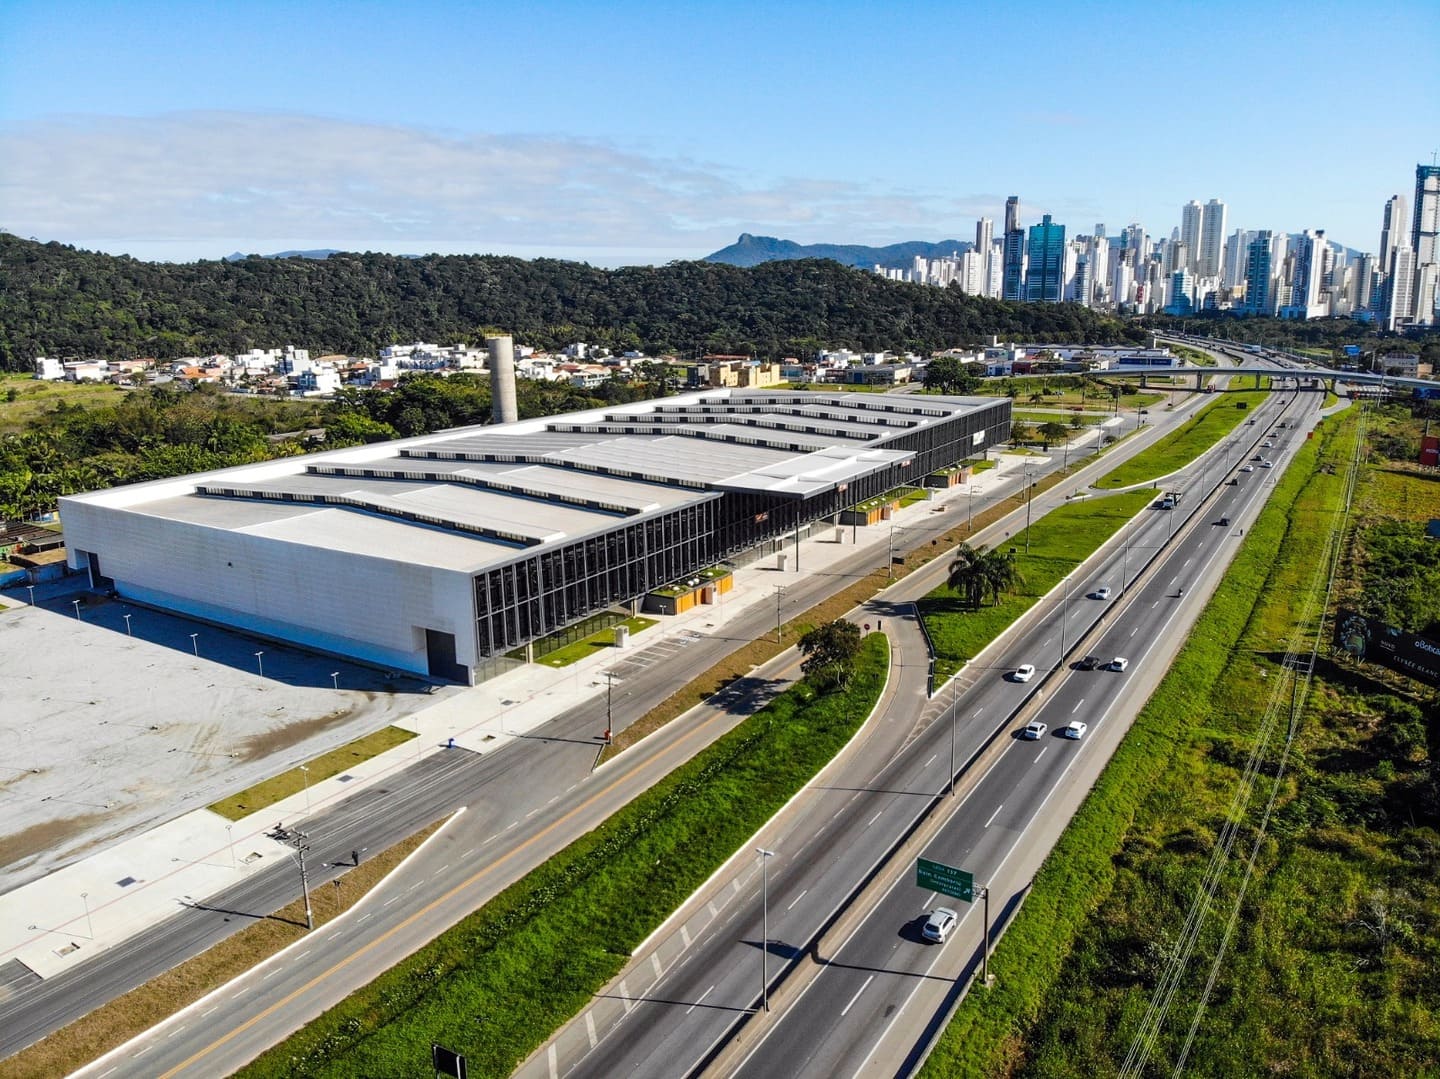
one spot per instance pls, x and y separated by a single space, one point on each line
753 250
63 302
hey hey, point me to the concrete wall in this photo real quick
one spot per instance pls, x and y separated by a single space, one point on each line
373 608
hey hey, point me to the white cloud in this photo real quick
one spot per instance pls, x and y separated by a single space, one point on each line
200 183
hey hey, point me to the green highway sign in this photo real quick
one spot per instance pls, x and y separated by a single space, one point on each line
945 879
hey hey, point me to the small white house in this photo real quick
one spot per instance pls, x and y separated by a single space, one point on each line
48 369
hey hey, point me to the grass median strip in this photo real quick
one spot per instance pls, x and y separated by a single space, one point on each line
1208 696
269 791
498 984
1058 542
1196 435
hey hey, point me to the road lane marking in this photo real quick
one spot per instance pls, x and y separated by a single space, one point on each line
1040 754
700 1001
468 853
1133 631
142 1052
590 1027
931 761
856 997
442 869
174 1032
797 899
714 911
994 815
204 1014
271 975
1077 707
303 954
554 1064
978 711
873 819
655 964
389 901
685 936
105 1073
625 996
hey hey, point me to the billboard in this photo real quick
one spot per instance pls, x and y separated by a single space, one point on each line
1373 641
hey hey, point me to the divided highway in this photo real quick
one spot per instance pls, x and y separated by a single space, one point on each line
688 992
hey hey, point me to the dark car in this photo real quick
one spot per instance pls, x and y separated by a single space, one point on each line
1089 663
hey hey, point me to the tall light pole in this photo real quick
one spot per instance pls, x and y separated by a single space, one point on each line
260 662
300 849
127 626
31 589
1065 615
778 593
85 898
890 554
335 678
970 520
77 607
195 644
1029 499
954 689
230 840
305 772
609 712
765 856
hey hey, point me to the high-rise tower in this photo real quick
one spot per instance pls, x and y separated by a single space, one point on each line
1013 252
1192 220
1259 277
1425 242
1045 262
1211 260
984 241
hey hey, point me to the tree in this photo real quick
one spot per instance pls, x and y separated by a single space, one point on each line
1000 573
1050 433
830 652
1020 432
948 375
967 574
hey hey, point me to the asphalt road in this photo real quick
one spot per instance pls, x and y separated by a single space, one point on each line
523 804
680 1003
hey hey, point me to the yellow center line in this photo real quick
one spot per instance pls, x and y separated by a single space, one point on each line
428 908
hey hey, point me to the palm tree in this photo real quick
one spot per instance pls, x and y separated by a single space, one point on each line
1000 574
967 574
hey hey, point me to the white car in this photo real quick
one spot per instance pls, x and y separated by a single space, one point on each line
938 924
1247 468
1074 729
1034 730
1102 593
1119 663
1267 464
1024 672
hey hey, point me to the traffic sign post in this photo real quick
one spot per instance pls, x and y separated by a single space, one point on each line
945 879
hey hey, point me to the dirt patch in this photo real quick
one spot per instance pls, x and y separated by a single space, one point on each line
38 838
261 746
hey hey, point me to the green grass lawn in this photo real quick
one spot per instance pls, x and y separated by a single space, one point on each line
605 638
1180 447
34 397
1059 542
496 986
338 760
1064 417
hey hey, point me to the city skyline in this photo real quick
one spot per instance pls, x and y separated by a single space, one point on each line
640 134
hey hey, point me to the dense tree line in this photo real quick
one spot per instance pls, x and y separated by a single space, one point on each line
60 301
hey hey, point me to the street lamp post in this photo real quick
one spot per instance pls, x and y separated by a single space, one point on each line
305 772
1065 616
609 711
260 662
127 626
195 644
230 841
778 632
765 856
1029 499
970 520
77 607
300 849
335 678
89 925
31 589
890 555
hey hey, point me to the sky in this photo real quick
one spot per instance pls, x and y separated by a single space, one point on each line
631 132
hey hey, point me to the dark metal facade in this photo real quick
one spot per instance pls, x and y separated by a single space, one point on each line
543 591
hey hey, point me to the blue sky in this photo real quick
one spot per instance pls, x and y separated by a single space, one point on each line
643 132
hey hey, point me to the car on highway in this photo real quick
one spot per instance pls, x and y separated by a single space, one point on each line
1166 503
1075 729
1034 730
1267 464
1247 468
1119 663
1268 443
1023 673
938 924
1258 457
1224 522
1103 592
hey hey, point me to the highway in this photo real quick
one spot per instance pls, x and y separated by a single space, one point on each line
523 805
687 993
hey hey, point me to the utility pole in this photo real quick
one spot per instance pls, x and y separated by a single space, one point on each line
1029 498
300 848
779 591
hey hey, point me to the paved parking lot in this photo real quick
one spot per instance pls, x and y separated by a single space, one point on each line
111 726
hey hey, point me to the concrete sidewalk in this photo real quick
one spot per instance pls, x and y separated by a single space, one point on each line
58 922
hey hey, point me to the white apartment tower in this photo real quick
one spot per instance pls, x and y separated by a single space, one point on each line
984 241
1211 258
1192 224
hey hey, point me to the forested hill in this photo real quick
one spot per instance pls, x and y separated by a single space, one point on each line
59 301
